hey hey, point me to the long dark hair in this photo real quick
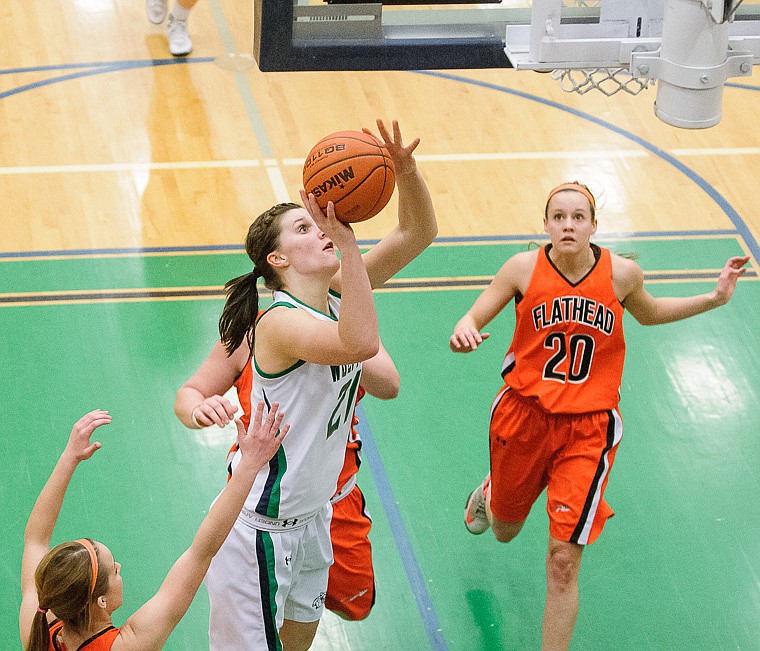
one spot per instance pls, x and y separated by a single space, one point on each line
239 314
64 585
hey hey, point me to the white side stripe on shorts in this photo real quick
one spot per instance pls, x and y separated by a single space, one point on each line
617 434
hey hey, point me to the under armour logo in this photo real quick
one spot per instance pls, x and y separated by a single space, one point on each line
288 559
288 523
317 603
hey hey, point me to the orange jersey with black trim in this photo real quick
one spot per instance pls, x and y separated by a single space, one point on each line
352 460
568 347
243 386
101 641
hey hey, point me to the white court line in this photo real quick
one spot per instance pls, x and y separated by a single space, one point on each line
270 163
128 167
278 182
514 155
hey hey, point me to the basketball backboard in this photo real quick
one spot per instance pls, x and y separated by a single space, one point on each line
690 47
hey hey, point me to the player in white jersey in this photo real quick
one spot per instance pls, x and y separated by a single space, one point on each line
320 398
268 582
202 402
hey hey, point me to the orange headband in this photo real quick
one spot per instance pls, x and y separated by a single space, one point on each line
93 561
577 188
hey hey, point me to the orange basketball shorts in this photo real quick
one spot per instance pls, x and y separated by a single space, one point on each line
570 455
351 584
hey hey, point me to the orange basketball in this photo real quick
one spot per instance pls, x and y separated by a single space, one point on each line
351 169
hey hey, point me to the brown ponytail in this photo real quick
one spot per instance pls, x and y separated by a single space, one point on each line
238 318
39 639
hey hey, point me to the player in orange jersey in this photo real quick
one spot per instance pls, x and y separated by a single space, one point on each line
555 423
69 593
201 401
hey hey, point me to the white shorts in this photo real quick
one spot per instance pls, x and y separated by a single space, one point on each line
260 578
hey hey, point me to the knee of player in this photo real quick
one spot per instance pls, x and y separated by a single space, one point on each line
563 566
505 531
504 537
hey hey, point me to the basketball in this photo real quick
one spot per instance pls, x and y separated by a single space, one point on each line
351 169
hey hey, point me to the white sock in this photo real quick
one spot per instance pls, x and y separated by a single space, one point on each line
179 12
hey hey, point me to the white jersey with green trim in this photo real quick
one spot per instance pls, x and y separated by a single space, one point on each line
318 403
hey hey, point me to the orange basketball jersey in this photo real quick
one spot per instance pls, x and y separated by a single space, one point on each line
568 348
353 459
243 385
100 642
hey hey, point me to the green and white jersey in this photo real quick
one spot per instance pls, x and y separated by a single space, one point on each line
318 402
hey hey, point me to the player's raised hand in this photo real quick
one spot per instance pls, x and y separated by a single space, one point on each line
79 446
402 155
264 436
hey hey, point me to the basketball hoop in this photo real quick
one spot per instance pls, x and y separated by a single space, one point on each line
606 80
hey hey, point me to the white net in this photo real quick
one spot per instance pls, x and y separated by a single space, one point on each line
606 80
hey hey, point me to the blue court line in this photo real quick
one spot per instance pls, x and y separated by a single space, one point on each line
94 69
58 66
742 86
599 236
718 198
403 544
239 248
117 64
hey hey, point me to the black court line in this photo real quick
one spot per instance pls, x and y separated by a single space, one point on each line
108 295
479 282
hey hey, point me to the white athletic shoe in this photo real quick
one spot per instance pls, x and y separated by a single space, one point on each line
475 518
156 10
179 40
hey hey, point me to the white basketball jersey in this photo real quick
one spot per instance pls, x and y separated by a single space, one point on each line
318 403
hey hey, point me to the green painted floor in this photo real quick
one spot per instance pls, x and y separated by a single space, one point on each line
677 568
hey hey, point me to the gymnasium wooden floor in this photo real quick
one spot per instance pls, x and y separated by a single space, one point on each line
128 180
